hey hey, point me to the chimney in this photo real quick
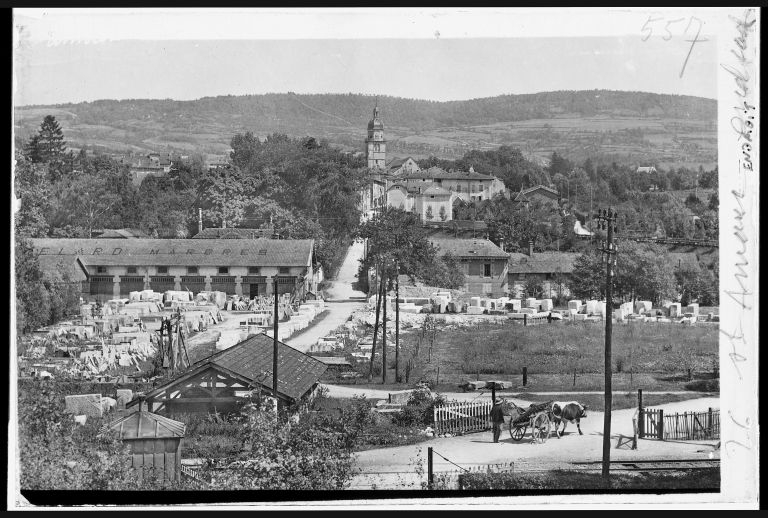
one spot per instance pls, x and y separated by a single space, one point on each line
530 248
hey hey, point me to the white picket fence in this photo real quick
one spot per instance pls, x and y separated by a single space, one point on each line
462 417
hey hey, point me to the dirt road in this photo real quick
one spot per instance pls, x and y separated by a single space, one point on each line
396 467
339 305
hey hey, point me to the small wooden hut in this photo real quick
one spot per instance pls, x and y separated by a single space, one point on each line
154 441
222 381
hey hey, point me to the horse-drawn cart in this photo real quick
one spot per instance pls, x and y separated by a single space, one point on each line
538 417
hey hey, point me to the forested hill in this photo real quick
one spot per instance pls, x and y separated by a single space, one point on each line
207 124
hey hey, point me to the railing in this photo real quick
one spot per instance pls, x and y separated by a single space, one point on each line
462 417
692 426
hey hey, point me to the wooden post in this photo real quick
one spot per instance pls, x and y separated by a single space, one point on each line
525 376
709 423
660 428
397 326
640 416
430 469
493 393
525 319
375 331
274 346
384 330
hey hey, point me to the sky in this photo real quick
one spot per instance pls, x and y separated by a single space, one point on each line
441 55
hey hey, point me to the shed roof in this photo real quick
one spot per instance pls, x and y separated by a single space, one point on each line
548 262
145 425
233 233
179 252
296 371
122 233
332 360
541 189
468 248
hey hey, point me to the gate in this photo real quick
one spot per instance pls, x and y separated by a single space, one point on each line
691 426
462 417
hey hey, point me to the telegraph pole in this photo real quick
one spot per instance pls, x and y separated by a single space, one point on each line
384 330
397 323
274 346
606 219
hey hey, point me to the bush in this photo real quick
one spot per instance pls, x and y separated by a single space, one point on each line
704 385
419 410
567 480
55 453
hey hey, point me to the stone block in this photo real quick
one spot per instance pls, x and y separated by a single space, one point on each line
580 316
675 310
692 308
546 305
475 310
643 306
531 302
591 307
574 304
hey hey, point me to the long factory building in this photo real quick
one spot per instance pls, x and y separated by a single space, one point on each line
112 268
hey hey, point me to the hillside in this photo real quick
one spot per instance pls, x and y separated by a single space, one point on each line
632 127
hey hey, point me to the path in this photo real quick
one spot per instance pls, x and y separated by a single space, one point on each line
340 303
395 467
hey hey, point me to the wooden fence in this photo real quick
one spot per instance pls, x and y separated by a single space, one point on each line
690 426
462 417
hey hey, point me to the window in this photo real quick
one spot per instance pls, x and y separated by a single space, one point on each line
192 270
254 270
223 270
162 269
284 270
487 270
101 269
458 188
487 288
131 269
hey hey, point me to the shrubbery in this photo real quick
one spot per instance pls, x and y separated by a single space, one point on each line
57 453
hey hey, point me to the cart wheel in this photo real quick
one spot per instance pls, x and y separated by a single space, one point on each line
517 432
541 428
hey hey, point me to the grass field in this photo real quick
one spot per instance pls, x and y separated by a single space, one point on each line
645 355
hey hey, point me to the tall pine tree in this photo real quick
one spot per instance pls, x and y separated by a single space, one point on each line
48 144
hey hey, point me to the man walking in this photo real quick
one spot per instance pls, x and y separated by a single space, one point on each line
497 418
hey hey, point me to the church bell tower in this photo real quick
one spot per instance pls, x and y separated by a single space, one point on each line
375 145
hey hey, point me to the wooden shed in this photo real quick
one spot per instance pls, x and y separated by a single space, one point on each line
222 381
154 441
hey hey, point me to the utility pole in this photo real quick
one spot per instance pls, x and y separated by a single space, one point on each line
397 323
274 346
384 330
606 219
379 289
199 219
